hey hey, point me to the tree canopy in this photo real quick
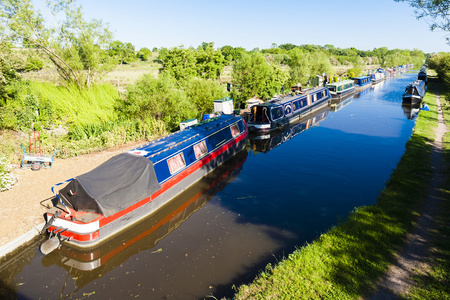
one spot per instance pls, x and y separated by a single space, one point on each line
76 47
435 12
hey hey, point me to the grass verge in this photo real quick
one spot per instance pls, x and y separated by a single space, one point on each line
347 261
436 283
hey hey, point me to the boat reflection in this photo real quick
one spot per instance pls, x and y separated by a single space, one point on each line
363 91
267 142
411 110
87 265
336 106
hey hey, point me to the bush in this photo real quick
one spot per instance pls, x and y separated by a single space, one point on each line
157 98
34 64
203 92
7 180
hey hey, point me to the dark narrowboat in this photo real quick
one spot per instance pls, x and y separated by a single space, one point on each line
414 92
281 111
266 142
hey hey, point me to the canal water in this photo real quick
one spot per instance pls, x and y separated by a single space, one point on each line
284 190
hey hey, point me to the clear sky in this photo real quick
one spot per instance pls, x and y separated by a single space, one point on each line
361 24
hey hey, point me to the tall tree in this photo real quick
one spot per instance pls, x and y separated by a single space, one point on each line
179 62
210 63
76 47
8 74
124 52
257 78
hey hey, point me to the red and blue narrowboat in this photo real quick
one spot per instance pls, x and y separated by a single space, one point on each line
128 187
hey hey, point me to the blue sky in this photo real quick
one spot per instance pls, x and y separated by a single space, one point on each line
249 23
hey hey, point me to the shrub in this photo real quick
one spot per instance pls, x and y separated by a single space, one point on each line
203 92
157 98
7 180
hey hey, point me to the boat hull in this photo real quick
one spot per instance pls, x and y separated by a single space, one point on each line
342 95
412 99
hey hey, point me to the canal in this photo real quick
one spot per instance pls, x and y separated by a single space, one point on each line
284 190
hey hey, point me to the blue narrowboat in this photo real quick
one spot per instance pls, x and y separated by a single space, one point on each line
362 82
414 92
266 142
94 206
279 112
341 89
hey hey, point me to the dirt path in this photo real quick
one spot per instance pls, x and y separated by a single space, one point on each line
20 207
412 259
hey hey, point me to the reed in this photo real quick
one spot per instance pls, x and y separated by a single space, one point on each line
79 107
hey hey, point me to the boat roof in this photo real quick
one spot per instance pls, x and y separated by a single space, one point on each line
163 147
290 97
347 81
361 77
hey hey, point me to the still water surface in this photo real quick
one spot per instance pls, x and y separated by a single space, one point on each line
283 191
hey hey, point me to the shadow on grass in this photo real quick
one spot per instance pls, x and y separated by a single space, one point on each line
365 244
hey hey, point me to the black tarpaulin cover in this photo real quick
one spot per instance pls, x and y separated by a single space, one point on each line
118 183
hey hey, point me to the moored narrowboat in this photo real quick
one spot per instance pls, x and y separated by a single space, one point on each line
377 77
362 82
281 111
341 89
414 92
130 186
423 74
270 140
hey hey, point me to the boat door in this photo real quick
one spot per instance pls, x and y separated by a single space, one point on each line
259 114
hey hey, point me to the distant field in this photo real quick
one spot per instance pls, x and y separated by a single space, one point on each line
126 74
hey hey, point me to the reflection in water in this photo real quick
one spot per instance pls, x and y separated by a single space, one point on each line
411 110
338 105
363 92
266 142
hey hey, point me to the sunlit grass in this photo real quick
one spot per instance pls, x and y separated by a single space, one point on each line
347 261
80 107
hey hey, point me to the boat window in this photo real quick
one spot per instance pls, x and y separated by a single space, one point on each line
287 109
339 88
234 130
296 105
276 112
332 88
176 163
200 149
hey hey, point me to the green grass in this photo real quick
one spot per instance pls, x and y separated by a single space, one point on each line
347 261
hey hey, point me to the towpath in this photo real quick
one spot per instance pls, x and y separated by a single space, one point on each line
413 259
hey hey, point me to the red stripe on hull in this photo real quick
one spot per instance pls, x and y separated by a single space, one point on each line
77 237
